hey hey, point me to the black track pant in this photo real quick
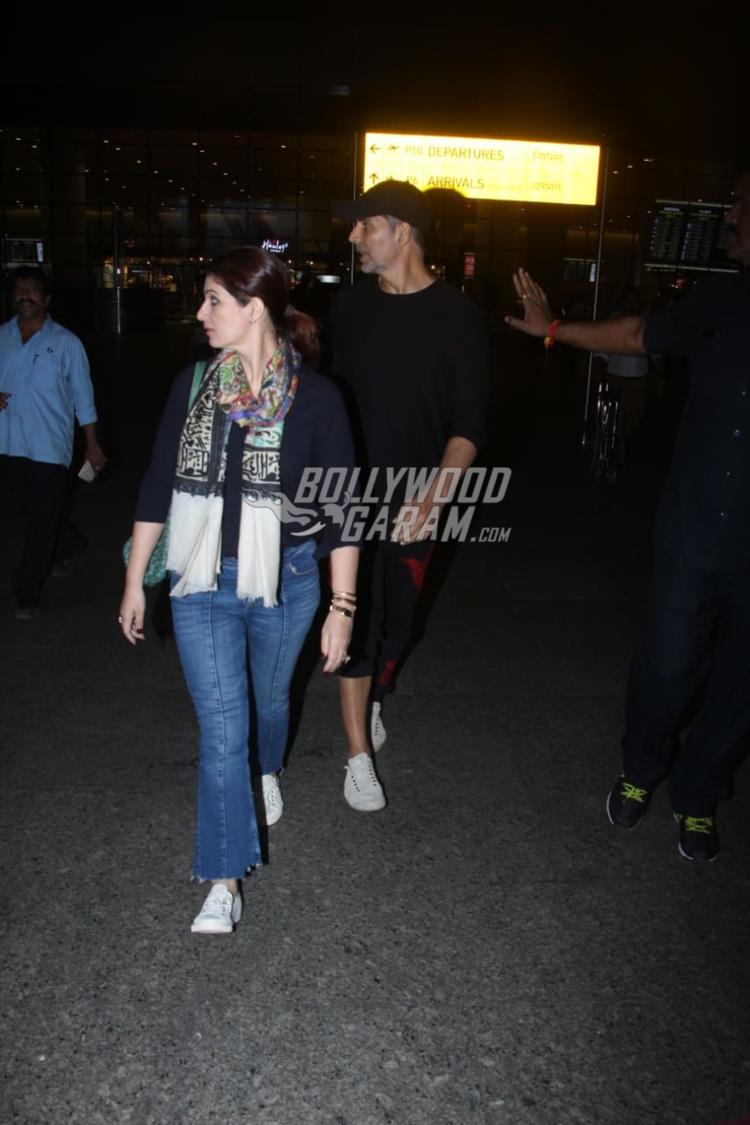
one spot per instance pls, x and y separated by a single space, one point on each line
388 587
699 639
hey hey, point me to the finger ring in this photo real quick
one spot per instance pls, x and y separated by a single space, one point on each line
346 659
525 297
119 621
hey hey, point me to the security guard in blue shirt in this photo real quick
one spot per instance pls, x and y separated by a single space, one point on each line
44 387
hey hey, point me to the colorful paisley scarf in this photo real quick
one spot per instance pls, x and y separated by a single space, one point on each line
196 514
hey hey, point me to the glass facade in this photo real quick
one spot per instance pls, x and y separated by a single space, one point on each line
155 203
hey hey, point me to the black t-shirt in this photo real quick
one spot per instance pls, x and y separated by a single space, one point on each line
416 368
704 513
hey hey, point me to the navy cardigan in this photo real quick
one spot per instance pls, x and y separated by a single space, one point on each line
316 434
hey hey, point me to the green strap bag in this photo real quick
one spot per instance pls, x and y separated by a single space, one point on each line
156 571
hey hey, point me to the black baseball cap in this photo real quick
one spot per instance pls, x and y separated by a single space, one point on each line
391 197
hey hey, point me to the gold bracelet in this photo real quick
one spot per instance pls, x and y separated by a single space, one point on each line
341 609
344 595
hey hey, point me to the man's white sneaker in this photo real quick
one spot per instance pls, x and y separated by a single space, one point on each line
377 728
362 790
220 912
273 802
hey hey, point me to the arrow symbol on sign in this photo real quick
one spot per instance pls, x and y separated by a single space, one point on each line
393 148
374 148
374 177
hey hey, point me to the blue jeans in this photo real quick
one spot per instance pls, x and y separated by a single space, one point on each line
216 632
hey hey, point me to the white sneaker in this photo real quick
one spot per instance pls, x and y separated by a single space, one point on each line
362 790
220 912
273 802
377 729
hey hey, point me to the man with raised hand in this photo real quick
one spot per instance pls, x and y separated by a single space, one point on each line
700 602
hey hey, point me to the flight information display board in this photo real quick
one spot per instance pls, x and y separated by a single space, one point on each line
689 236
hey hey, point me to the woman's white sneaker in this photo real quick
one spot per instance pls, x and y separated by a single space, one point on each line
220 912
273 802
362 790
377 728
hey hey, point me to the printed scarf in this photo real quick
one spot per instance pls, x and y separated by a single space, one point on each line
197 508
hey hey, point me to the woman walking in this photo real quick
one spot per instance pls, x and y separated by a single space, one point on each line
244 588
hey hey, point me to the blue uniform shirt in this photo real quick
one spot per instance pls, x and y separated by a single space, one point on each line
48 379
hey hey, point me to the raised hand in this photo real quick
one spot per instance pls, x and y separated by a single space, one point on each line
536 311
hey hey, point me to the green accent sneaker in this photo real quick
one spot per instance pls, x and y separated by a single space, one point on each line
627 803
698 839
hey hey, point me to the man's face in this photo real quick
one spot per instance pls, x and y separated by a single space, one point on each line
738 221
29 299
377 245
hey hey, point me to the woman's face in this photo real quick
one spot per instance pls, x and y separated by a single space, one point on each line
227 323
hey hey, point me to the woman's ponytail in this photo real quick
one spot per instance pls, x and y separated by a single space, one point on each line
303 333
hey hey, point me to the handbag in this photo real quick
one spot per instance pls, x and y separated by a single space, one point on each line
156 571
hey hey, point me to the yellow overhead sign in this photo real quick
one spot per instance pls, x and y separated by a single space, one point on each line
528 171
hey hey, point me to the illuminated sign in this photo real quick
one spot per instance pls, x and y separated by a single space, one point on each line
274 246
527 171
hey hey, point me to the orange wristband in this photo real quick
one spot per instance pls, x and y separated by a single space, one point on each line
549 339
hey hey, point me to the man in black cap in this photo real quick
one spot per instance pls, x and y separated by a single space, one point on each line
412 352
700 600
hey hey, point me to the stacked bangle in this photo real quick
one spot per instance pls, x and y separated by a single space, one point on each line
333 608
344 603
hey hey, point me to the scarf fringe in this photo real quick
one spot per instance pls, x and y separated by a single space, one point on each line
194 542
259 553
